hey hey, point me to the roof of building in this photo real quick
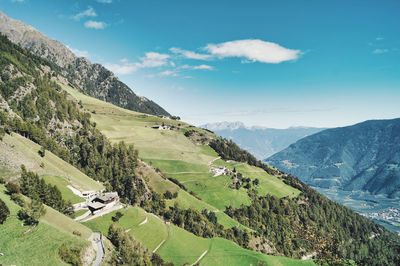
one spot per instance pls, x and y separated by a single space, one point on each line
108 196
96 205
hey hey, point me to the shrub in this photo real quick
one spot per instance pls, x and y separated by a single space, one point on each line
13 188
2 180
70 255
4 212
18 199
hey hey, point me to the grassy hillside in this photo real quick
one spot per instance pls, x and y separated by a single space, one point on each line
176 155
179 246
39 246
17 150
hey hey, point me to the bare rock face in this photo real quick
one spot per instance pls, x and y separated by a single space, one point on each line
92 79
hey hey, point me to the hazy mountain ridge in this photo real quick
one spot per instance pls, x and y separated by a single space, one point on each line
365 156
93 79
262 142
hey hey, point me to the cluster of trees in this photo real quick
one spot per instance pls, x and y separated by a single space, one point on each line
228 150
130 251
36 188
238 181
312 222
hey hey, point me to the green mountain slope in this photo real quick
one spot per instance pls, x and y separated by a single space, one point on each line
40 245
92 79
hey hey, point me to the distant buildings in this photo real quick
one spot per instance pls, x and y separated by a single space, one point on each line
161 127
222 170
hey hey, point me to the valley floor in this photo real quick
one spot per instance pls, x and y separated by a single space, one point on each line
379 208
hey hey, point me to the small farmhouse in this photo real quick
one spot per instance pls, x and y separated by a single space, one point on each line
103 201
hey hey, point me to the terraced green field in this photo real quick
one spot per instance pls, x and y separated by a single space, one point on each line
39 246
179 246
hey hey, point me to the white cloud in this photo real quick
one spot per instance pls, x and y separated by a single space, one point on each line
150 60
153 59
379 38
86 13
169 73
122 69
253 50
104 1
189 54
204 67
201 67
79 53
380 51
97 25
17 1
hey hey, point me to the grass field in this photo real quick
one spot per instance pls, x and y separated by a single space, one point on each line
178 157
181 246
54 170
38 247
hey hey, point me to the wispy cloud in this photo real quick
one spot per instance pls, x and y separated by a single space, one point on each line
380 51
254 51
190 54
105 1
379 38
79 53
97 25
170 73
150 60
86 13
17 1
201 67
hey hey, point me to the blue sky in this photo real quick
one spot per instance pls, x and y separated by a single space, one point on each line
269 63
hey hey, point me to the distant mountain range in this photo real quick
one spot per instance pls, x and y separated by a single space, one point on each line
93 79
260 141
365 157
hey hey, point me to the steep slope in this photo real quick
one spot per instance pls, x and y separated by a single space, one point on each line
261 142
365 156
93 79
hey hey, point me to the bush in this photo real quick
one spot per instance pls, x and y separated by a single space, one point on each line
18 199
117 216
2 180
70 255
4 212
13 188
42 151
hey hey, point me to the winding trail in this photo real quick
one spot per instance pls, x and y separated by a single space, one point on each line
99 249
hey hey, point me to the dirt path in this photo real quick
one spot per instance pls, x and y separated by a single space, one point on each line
83 216
99 214
211 162
162 242
201 256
